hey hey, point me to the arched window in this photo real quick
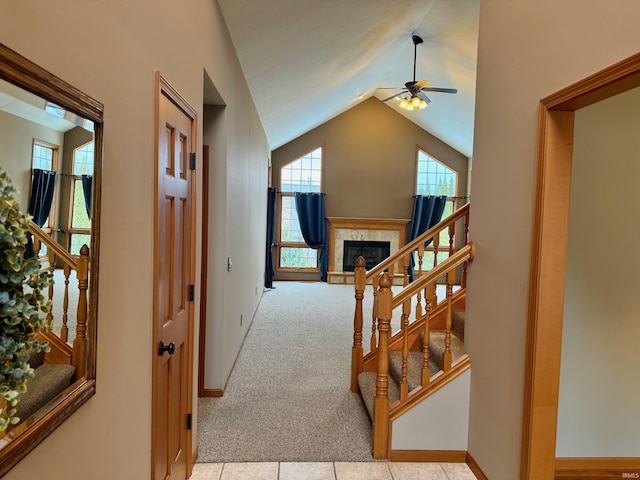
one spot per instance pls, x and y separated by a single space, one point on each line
304 174
435 178
79 221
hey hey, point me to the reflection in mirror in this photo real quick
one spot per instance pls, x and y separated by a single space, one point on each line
51 147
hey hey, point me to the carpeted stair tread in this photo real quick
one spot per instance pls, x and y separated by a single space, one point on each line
436 348
457 323
49 380
367 385
414 368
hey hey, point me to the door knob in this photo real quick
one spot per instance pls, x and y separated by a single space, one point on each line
166 348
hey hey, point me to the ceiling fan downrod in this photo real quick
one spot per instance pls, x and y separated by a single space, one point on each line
416 41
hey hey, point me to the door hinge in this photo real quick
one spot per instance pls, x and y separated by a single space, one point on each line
192 293
189 421
192 165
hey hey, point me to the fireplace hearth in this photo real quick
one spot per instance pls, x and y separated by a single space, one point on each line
372 251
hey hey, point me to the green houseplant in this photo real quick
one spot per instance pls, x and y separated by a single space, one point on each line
21 302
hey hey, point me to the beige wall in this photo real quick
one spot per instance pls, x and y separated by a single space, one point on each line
370 161
16 141
370 154
599 376
110 51
527 50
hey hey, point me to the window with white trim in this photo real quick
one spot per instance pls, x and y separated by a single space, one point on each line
79 221
435 178
304 174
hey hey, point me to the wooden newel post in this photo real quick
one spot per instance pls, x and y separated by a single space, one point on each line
80 342
381 405
356 351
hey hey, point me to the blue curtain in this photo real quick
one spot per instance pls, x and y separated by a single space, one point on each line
427 211
269 272
313 225
43 185
87 186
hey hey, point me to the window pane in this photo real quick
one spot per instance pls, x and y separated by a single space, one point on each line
292 257
42 157
303 174
83 160
289 224
77 240
435 178
80 218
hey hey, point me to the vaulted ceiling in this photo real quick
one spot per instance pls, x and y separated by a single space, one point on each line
307 61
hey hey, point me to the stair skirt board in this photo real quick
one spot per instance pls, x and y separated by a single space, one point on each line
440 422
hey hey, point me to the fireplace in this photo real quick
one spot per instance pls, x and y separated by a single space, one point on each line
372 251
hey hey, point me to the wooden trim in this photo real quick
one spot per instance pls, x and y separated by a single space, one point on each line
438 381
194 456
163 87
204 266
25 74
409 247
445 456
475 468
43 427
211 392
53 245
574 468
548 259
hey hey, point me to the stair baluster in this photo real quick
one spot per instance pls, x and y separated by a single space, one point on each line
451 275
52 267
356 351
374 314
466 241
64 331
420 258
80 342
426 373
381 402
404 385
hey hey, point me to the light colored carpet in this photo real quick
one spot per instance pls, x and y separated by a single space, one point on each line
288 398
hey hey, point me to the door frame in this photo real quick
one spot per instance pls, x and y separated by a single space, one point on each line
548 259
163 87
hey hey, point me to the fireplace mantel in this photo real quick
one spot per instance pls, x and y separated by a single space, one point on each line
375 229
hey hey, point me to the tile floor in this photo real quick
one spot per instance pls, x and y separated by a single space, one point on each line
331 471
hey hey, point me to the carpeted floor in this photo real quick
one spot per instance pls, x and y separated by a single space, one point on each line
288 398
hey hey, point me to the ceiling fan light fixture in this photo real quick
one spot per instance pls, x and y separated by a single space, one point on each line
423 104
415 102
404 103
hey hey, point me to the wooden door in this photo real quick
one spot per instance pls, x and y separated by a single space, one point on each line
173 290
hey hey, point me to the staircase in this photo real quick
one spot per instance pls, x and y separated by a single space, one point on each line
367 380
65 362
415 379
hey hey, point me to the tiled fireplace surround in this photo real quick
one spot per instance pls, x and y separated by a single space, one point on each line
393 231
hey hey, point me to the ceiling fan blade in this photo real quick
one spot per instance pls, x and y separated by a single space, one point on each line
394 96
422 83
423 96
389 88
440 90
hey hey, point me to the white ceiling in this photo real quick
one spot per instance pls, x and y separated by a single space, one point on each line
306 61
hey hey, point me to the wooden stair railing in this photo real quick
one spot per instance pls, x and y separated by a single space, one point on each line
387 302
61 351
400 259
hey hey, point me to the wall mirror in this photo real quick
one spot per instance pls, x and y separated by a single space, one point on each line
51 147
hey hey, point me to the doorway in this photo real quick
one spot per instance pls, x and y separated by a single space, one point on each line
549 258
174 268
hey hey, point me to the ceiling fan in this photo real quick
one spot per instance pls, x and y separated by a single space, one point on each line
412 96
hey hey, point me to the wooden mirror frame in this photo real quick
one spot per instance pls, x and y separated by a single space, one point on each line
25 74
